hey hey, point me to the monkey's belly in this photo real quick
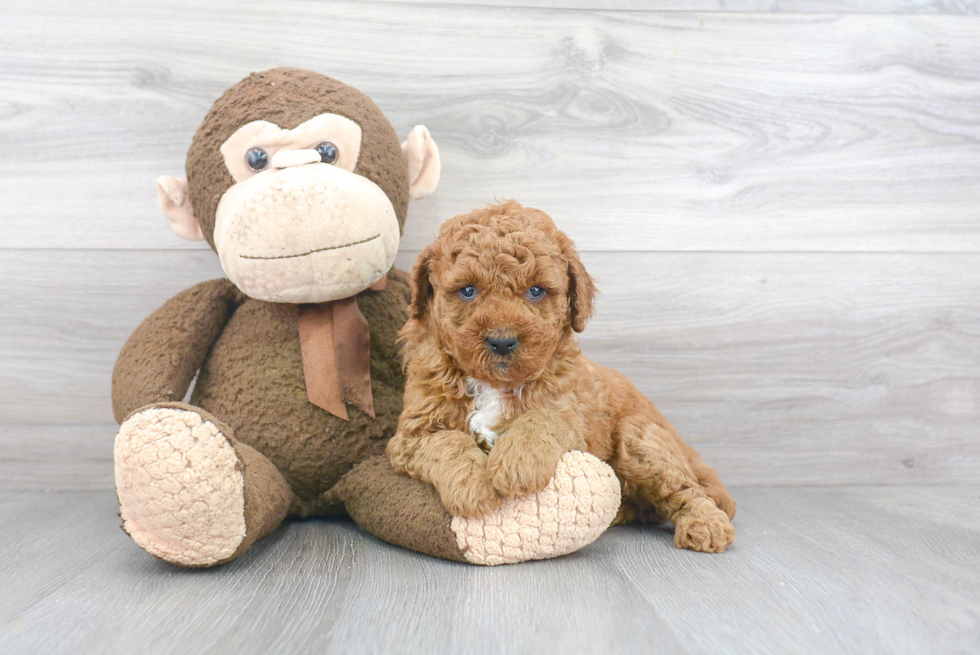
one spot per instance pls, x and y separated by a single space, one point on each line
253 381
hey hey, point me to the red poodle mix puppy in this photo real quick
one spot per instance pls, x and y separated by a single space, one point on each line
498 389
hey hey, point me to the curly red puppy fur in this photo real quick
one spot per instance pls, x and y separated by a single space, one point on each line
498 389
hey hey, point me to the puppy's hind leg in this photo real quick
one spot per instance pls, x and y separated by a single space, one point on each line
652 463
709 479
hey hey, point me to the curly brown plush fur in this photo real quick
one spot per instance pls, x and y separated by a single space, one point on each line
552 399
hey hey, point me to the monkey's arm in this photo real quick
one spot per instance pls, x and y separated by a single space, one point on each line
164 353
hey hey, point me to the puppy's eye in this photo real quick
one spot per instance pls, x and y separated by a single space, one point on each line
257 159
536 293
468 292
328 152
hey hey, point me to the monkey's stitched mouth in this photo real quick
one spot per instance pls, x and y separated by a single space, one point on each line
304 254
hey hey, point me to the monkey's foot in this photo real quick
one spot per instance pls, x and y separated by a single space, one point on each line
571 512
181 486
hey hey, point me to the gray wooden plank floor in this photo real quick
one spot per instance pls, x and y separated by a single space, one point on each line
945 7
856 569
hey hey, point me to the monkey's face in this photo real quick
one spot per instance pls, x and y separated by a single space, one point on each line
299 183
298 225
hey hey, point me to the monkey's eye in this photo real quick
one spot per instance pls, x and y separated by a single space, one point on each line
328 152
468 292
536 293
257 159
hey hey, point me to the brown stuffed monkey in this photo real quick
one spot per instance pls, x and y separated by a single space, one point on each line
300 185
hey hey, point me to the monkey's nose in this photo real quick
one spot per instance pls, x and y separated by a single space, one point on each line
502 346
287 158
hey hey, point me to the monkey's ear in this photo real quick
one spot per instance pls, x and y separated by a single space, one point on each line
421 286
581 286
422 155
175 202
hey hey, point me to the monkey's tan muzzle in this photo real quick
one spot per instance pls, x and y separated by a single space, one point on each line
305 233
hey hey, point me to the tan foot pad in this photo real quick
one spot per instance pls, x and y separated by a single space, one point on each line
180 487
571 512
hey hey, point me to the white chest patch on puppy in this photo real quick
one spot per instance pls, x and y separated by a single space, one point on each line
488 410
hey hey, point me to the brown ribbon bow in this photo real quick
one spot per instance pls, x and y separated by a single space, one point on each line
335 341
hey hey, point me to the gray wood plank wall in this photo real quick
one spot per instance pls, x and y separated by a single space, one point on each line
781 202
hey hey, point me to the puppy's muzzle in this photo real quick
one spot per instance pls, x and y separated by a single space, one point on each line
502 345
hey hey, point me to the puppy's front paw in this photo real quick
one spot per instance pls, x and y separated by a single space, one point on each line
518 470
705 529
474 496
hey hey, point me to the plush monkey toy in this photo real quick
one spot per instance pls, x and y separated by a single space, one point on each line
299 184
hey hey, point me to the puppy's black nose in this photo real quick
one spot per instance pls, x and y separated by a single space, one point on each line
502 345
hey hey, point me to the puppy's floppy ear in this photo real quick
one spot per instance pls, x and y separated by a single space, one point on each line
581 287
421 287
